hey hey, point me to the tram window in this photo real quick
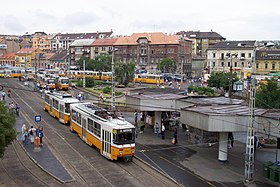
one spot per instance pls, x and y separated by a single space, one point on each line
47 99
79 118
64 81
74 115
55 103
90 125
67 108
97 128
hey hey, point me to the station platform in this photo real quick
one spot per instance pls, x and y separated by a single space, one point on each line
42 156
203 161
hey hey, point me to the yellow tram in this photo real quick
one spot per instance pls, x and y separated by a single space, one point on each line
149 78
62 83
112 136
57 104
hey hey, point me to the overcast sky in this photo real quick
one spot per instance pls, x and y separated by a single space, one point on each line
234 20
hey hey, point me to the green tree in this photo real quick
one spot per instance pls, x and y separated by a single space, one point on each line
7 132
103 62
221 80
202 90
167 65
90 82
268 95
124 72
80 63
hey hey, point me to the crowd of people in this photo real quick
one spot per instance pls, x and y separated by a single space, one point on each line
30 134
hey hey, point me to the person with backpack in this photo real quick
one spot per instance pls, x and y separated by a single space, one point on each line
31 132
17 109
3 95
41 135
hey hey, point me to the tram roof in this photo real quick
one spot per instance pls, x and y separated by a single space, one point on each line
93 110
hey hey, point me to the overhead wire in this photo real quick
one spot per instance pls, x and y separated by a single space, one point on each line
161 107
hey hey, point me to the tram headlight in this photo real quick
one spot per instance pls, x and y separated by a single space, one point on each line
120 152
133 151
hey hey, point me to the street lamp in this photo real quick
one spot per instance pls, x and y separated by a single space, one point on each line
84 69
113 81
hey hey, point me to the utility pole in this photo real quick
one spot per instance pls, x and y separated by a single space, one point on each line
113 83
250 143
84 77
230 82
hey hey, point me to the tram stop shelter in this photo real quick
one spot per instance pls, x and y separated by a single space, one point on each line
208 119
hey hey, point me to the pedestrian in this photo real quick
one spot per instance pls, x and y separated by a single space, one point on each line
23 133
31 133
3 95
230 140
157 128
162 131
175 140
135 119
256 142
25 136
9 93
261 142
41 135
17 109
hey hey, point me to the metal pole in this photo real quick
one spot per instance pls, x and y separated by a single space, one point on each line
113 83
84 74
69 64
250 143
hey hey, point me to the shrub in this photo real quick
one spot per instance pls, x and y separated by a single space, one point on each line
106 90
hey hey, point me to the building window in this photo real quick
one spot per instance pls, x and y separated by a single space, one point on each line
235 64
213 64
242 64
265 66
257 66
222 64
228 64
273 66
250 55
222 56
170 50
214 55
143 51
103 48
242 56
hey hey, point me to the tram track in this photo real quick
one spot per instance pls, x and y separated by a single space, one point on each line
81 161
25 168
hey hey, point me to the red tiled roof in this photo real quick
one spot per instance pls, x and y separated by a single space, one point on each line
26 50
8 56
104 42
153 38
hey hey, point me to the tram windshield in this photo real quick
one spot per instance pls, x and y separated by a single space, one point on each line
124 136
51 81
64 81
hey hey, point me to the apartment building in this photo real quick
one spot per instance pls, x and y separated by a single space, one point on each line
42 41
237 55
267 61
148 49
201 41
63 41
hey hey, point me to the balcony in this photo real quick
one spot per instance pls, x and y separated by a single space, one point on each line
242 58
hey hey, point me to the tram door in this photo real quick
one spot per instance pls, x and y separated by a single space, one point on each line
84 129
106 143
61 113
51 105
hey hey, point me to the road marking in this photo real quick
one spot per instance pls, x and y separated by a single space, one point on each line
197 176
